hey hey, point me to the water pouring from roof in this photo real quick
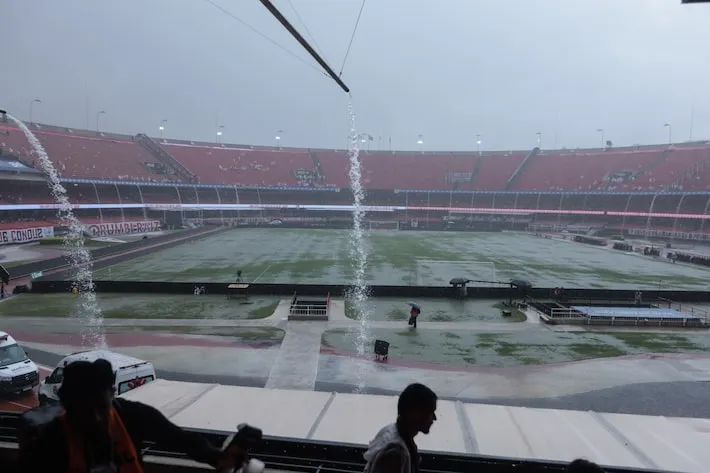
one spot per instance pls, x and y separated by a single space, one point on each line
88 308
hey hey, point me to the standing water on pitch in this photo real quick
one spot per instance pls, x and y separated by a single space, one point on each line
358 293
80 258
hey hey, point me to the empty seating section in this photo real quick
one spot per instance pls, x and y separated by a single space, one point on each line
459 169
13 142
581 171
682 167
219 165
334 167
400 170
495 170
84 156
697 181
680 163
97 158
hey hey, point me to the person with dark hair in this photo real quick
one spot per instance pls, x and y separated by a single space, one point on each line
97 433
581 465
393 449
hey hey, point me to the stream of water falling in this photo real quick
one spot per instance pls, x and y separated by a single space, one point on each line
359 291
88 310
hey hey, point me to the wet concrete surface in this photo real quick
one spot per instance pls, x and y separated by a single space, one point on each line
676 385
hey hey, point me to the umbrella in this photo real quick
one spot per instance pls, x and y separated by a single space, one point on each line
415 305
457 281
521 283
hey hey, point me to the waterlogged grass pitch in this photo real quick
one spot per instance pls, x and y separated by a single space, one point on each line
436 310
318 256
142 306
468 348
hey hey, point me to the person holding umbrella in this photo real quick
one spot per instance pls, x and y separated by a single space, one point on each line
414 313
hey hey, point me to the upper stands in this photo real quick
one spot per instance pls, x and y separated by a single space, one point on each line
117 157
495 170
423 171
226 165
84 156
681 164
584 170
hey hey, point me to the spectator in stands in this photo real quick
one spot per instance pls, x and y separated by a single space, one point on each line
393 449
98 433
581 465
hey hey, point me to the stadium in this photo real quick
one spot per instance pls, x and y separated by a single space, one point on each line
551 295
173 224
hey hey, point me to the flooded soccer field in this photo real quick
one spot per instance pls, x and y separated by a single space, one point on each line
319 256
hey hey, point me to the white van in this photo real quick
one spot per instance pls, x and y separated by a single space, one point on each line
18 373
130 373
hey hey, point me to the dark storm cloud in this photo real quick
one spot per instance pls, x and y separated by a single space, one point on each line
447 69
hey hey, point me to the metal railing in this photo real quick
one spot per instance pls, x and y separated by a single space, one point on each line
309 310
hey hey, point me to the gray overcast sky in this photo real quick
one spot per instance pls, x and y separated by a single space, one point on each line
447 69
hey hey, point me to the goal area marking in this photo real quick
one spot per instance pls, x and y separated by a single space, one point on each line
384 225
475 269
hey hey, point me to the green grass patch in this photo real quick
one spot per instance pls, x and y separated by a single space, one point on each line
595 350
657 342
263 311
141 306
435 310
246 334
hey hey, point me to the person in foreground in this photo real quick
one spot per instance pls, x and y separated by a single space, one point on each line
393 449
99 434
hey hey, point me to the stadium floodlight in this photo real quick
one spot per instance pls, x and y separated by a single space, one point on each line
601 130
219 133
162 128
670 132
98 114
31 105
